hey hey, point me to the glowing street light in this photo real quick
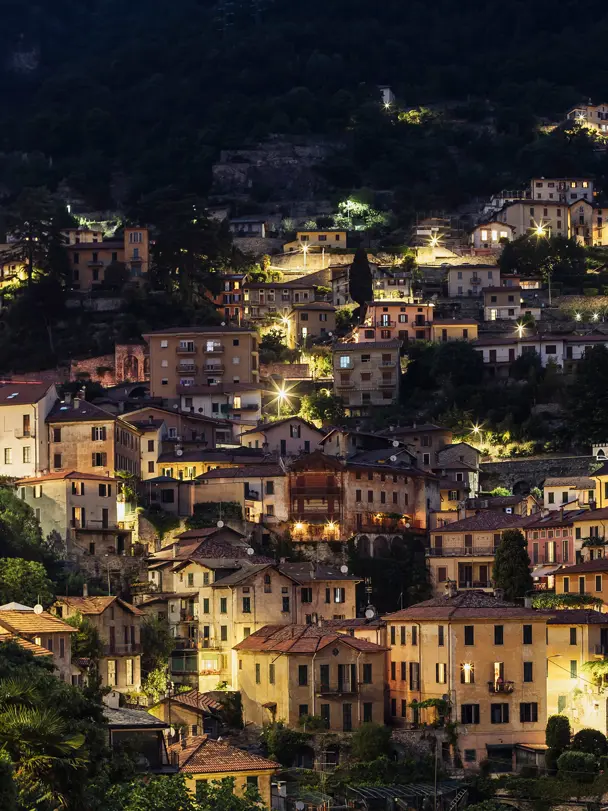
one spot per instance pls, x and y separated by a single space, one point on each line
521 329
299 526
540 230
434 241
596 316
577 317
305 248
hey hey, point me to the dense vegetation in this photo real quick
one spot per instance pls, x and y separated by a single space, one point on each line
121 99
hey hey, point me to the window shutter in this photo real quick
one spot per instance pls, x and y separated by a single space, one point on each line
104 459
93 459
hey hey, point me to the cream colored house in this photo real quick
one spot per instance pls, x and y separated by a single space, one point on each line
44 630
594 116
261 490
568 492
367 374
328 239
81 508
290 671
488 656
119 626
307 323
469 280
291 436
491 235
24 408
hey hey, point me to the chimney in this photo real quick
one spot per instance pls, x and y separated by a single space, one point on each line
77 403
499 594
67 397
85 590
450 589
528 601
151 419
174 550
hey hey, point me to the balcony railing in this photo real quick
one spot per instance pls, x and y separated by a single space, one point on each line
215 367
343 688
20 433
187 616
186 367
387 363
501 686
474 584
312 491
217 349
121 648
181 643
350 384
600 650
184 350
460 551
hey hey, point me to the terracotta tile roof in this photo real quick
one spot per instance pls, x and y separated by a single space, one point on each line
578 616
301 639
311 572
32 647
486 521
199 331
355 623
22 392
200 755
27 622
206 532
241 456
257 471
85 412
68 474
579 482
198 701
269 426
466 605
363 346
591 515
96 605
598 565
494 501
554 519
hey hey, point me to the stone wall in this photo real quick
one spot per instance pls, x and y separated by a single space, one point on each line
521 475
129 362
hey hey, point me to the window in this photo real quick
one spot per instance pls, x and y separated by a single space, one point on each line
393 706
467 673
111 672
344 362
271 674
499 713
340 595
403 671
306 595
573 669
367 712
367 674
440 635
573 636
252 780
499 634
98 433
27 454
528 671
302 675
598 581
441 673
99 459
223 633
403 632
566 585
414 635
56 434
246 605
8 456
190 579
285 605
470 755
129 669
393 635
469 714
258 673
393 671
527 634
469 635
414 676
551 498
205 605
528 713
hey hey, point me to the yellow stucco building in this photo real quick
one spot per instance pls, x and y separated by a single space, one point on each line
486 656
287 672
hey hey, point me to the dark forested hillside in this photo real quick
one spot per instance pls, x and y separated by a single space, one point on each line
120 97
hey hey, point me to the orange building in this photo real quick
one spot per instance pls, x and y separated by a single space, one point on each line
392 318
90 255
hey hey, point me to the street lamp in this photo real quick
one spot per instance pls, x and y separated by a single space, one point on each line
577 317
305 251
434 241
520 329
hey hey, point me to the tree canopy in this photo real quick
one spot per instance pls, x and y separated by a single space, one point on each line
511 570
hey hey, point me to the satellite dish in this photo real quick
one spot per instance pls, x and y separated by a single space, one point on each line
223 324
179 452
393 458
407 524
176 407
250 550
38 609
395 443
300 806
220 524
344 569
370 612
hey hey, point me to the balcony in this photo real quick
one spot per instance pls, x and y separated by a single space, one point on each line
216 349
186 367
474 584
349 384
343 688
121 649
387 384
312 491
185 350
600 650
244 407
182 643
501 686
387 364
187 616
218 368
25 434
252 495
461 551
383 324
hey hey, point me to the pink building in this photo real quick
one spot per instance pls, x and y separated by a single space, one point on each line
551 538
392 318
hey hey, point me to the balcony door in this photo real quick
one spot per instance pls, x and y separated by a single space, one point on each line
468 544
465 576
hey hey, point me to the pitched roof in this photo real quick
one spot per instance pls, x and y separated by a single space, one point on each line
241 575
269 426
466 605
84 412
576 482
65 475
28 622
555 518
97 605
241 455
32 647
494 501
198 701
395 343
301 639
249 471
22 392
578 616
200 755
486 521
126 718
198 331
310 572
206 532
597 565
590 515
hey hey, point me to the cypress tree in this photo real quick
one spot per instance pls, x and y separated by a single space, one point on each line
512 565
360 279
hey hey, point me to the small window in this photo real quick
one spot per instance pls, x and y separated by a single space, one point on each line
469 635
527 634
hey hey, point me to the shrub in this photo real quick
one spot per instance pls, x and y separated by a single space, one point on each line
370 741
590 291
557 732
591 741
551 757
579 766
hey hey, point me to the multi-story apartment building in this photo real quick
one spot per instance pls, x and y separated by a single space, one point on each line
499 351
287 672
506 303
469 280
574 638
590 577
187 362
79 508
486 657
426 441
261 490
83 437
367 374
454 329
393 319
463 552
563 189
90 256
44 630
185 426
264 299
568 492
307 323
118 624
594 116
550 538
24 408
291 436
229 300
392 283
